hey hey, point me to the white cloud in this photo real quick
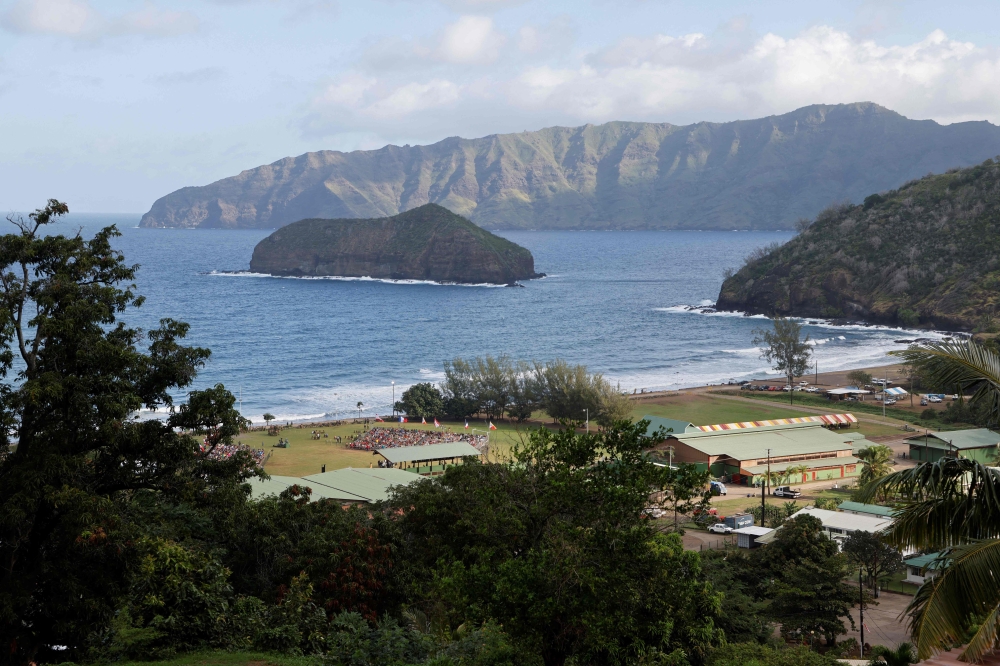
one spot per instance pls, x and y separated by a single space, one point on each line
77 19
666 78
554 37
470 40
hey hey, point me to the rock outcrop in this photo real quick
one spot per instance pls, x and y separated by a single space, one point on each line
426 243
924 255
749 174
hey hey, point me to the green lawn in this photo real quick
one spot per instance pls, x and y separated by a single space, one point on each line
703 409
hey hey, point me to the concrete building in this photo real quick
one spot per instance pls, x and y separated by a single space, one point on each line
838 525
743 455
921 568
978 444
747 537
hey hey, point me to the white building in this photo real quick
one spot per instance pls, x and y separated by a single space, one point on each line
838 525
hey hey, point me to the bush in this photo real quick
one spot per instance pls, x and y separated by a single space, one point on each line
908 317
753 654
929 414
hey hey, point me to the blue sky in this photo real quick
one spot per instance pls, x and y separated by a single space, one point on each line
109 105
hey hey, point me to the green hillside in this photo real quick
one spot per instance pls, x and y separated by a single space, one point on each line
748 174
926 254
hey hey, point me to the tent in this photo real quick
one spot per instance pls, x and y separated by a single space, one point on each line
895 390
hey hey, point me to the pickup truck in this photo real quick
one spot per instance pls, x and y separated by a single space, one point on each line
720 528
785 491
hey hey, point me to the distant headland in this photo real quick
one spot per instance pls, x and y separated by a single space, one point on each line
426 243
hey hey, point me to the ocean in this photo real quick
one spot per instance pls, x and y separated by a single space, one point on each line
630 305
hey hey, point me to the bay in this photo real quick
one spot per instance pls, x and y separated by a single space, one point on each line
618 302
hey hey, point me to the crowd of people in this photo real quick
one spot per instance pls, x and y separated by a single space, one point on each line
224 451
392 438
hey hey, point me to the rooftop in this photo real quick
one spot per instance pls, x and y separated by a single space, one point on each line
872 509
754 530
670 425
930 560
278 484
753 444
815 462
846 521
371 485
976 438
429 452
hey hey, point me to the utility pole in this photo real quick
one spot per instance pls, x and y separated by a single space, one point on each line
587 412
861 611
393 398
816 381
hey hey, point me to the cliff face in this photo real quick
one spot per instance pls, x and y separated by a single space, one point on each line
426 243
927 254
750 174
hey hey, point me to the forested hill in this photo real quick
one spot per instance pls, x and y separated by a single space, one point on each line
749 174
927 254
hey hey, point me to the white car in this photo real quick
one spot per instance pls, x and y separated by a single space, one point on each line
720 528
812 389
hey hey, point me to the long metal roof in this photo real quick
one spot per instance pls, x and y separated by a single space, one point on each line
846 521
278 484
753 443
371 485
428 453
870 509
976 438
827 419
811 464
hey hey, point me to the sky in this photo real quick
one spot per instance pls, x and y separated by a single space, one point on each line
109 105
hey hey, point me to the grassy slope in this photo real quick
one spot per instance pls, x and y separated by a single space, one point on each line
925 253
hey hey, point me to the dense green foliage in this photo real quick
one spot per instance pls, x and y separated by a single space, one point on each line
873 556
785 349
499 386
924 254
422 401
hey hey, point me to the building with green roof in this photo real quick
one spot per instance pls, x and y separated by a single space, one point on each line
348 485
668 425
744 455
867 509
977 444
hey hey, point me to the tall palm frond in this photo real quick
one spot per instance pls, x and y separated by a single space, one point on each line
946 503
965 593
961 365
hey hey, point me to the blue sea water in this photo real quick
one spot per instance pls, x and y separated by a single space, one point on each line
313 348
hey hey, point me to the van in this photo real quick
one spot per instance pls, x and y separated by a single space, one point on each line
717 488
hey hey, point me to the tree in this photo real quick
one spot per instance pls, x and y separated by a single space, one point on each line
555 548
903 655
614 405
421 400
268 417
877 460
808 593
69 536
859 378
876 558
951 506
684 489
796 472
785 349
360 406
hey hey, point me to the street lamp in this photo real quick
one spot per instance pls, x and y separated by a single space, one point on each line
587 412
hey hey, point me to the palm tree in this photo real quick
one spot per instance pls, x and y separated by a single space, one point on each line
877 461
796 471
952 506
903 655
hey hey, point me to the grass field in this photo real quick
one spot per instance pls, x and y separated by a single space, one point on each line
307 456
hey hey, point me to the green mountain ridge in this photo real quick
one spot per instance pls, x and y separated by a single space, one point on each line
747 174
426 243
926 254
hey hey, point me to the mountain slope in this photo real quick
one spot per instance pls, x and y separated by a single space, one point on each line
927 254
426 243
749 174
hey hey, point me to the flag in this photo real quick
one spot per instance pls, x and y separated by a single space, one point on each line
423 420
466 424
436 424
378 418
492 427
402 419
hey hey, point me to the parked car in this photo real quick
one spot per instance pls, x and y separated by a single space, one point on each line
720 528
803 383
923 402
890 401
785 491
934 398
812 389
717 488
